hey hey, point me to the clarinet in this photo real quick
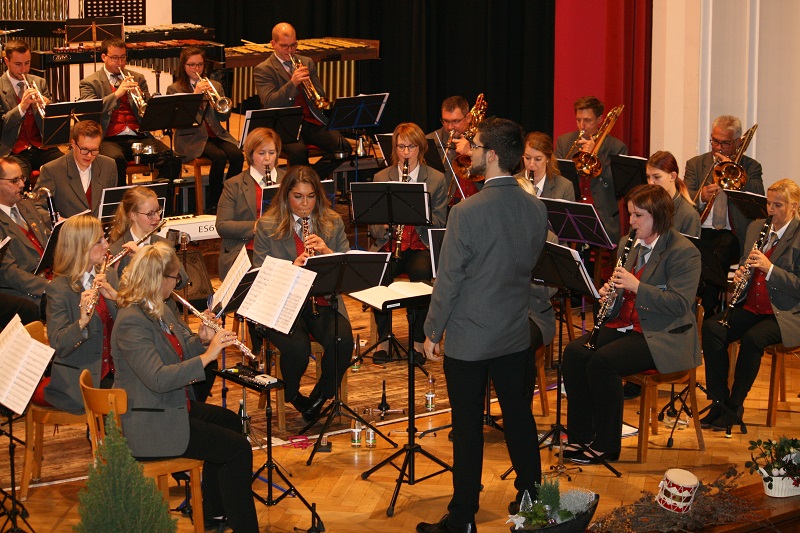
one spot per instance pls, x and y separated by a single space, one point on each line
401 227
604 313
310 252
738 290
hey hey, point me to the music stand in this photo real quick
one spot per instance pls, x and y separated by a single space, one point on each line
385 142
577 222
49 254
390 202
628 172
337 274
286 121
269 192
435 237
568 170
112 197
173 111
752 206
94 30
57 123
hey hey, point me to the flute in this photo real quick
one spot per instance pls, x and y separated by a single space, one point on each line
213 325
125 251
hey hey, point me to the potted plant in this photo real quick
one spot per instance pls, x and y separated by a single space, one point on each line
778 463
554 512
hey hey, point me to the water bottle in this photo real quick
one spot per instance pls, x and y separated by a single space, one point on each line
355 434
430 394
369 439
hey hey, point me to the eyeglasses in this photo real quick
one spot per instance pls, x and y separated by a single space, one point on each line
15 181
177 278
476 146
723 144
117 59
195 65
152 214
454 122
287 46
409 147
86 151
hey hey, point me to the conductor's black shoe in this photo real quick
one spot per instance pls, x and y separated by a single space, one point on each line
631 391
220 525
314 408
301 403
443 527
380 357
729 418
708 421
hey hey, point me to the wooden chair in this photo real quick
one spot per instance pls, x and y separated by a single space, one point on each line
133 169
648 408
777 379
541 377
100 402
197 166
36 417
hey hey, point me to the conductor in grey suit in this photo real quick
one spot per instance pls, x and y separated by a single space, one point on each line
652 326
76 180
481 299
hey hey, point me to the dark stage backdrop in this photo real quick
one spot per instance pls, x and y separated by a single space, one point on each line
430 49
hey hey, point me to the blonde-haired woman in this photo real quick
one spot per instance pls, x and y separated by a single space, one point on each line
771 310
80 339
279 235
158 358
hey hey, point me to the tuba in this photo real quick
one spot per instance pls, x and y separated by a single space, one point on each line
586 163
312 95
730 175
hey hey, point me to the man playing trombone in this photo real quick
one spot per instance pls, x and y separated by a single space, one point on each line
123 92
725 226
23 97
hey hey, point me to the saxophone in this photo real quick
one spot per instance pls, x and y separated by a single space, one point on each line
738 290
608 304
401 227
306 229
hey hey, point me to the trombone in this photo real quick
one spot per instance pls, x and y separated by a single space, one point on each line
39 99
222 104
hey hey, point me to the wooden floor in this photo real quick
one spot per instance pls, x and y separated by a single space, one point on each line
346 502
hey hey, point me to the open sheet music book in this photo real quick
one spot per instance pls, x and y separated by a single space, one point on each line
23 360
277 294
385 298
237 271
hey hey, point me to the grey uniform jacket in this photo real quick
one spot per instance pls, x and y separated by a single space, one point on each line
685 217
438 197
76 348
783 285
697 169
190 142
150 371
12 118
21 258
557 187
665 301
236 217
265 245
482 293
97 86
62 178
275 88
602 187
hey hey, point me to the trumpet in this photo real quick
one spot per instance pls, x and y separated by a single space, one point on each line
306 230
738 290
96 286
312 95
222 104
51 209
608 304
137 96
401 227
40 102
213 325
730 175
125 251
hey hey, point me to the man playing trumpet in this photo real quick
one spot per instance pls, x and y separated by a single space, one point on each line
22 99
121 115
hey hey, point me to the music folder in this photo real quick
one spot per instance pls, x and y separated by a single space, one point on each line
628 172
397 294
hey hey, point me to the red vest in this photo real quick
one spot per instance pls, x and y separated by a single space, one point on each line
409 241
121 117
628 314
758 301
259 199
29 134
308 116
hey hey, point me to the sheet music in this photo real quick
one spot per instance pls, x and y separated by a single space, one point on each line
237 271
24 361
277 294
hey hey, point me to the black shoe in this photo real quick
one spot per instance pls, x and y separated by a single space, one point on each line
301 403
513 507
570 451
631 391
314 408
708 421
220 525
443 527
729 418
450 435
588 459
420 358
380 357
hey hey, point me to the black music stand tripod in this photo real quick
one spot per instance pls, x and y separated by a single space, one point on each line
407 470
16 511
336 274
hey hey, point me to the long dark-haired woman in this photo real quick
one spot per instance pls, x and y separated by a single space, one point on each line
158 358
80 339
211 140
279 235
662 170
652 326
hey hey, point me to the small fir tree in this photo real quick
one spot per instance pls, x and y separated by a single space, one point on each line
117 496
